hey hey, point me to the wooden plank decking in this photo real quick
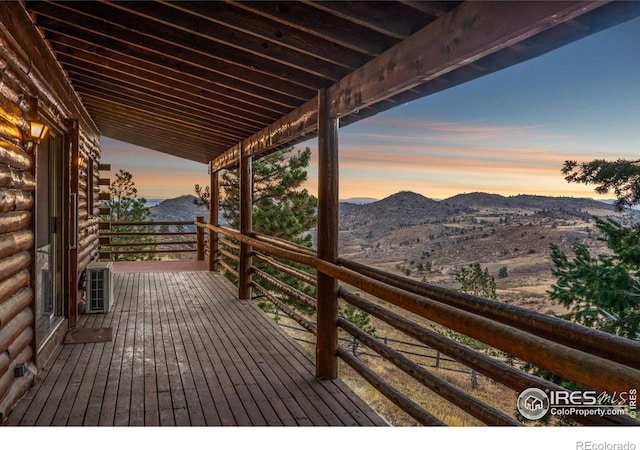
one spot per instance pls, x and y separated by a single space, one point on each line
186 352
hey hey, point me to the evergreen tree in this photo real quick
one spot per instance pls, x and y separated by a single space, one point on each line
126 207
281 208
124 204
603 291
620 176
476 281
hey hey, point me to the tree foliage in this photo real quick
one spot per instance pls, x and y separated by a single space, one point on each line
476 281
281 207
603 291
125 206
359 318
622 177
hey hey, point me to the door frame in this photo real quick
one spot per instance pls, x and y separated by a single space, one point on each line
45 346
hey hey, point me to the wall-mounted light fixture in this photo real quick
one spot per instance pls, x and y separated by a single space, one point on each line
38 131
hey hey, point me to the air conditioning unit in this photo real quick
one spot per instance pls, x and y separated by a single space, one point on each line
99 287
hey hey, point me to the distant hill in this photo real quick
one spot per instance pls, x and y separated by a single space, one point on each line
478 200
180 208
398 210
359 200
406 208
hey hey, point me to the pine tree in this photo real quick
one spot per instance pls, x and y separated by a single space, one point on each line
621 176
281 207
126 207
603 291
476 281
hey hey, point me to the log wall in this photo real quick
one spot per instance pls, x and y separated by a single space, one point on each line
88 204
32 86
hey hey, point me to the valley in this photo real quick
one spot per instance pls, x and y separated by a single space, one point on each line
430 240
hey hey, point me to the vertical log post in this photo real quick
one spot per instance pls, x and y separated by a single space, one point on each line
214 205
200 239
327 290
72 177
246 225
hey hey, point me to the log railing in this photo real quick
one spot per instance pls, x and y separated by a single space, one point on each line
590 358
144 240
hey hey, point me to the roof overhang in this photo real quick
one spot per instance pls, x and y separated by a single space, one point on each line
207 81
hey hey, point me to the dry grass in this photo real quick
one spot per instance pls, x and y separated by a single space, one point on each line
486 390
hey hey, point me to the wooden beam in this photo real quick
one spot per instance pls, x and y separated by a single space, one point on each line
39 64
71 175
246 226
465 35
327 286
107 27
217 83
200 240
129 91
205 33
300 122
297 39
168 77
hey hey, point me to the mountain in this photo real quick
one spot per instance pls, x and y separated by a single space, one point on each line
479 200
406 208
181 208
398 226
396 211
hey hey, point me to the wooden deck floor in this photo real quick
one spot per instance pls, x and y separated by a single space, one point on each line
186 352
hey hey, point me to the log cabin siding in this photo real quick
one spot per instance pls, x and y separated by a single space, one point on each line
17 189
31 86
88 243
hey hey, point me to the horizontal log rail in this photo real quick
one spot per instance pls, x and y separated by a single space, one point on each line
292 313
297 273
152 223
597 342
143 238
546 342
393 394
448 391
146 244
283 287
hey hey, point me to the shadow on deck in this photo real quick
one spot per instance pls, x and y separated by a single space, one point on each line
185 351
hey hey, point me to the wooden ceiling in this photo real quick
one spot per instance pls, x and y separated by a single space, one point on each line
193 79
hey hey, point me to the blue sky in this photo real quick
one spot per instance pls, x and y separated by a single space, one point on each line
506 133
